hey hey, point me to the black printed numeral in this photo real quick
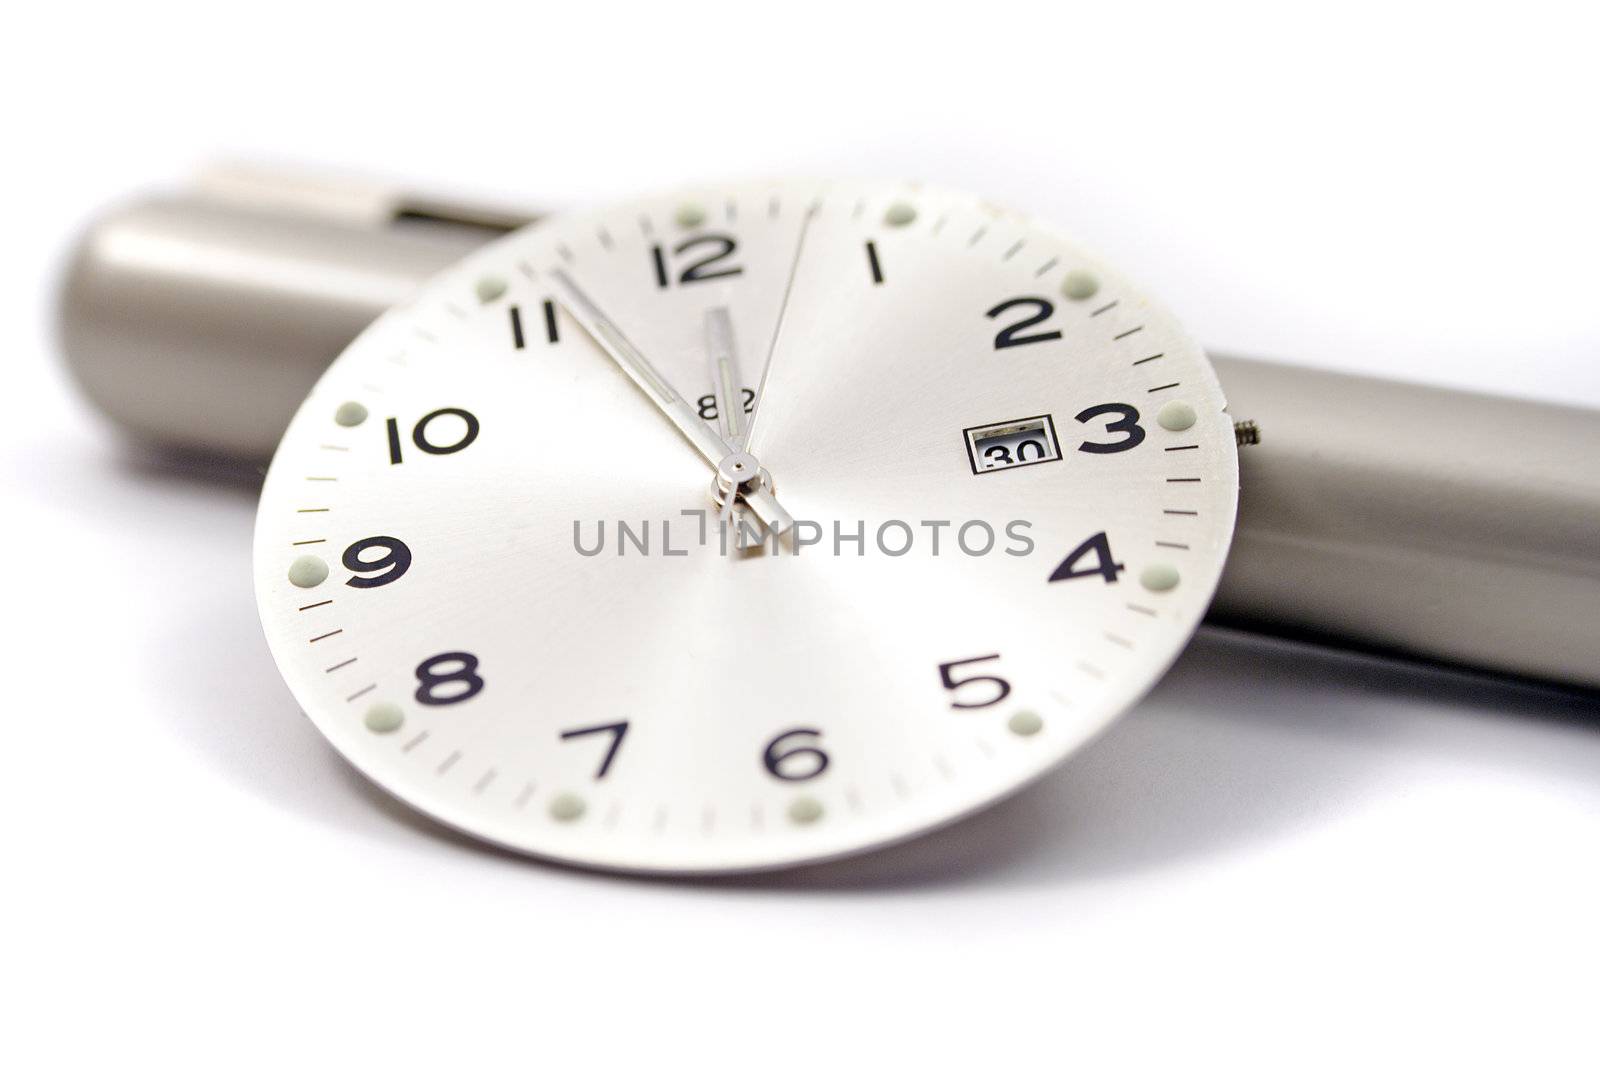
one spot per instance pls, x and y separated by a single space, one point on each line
618 730
873 264
1012 335
448 678
708 404
394 559
1126 423
710 248
992 686
551 333
430 444
1103 565
789 758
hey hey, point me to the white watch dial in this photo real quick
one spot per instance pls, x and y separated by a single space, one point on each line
1011 477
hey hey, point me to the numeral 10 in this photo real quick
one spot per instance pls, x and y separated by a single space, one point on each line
419 434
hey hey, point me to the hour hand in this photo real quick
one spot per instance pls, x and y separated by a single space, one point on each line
731 464
633 363
726 382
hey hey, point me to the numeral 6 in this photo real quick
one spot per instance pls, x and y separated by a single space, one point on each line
781 764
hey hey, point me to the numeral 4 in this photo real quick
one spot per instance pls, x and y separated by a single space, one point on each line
1103 565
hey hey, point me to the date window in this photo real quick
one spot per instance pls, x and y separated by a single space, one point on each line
1018 443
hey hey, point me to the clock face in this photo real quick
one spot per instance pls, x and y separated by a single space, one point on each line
497 576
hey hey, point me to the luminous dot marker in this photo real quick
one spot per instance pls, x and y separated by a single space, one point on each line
1025 723
805 810
565 807
490 287
384 718
1079 285
1159 577
1176 415
308 572
900 214
350 413
689 216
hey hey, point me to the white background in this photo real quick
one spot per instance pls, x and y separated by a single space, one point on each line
1283 856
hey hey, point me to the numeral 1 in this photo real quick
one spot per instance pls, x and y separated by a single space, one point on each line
551 334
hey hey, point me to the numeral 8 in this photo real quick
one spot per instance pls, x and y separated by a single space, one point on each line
433 679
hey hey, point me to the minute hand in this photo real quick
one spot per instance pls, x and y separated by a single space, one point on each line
614 343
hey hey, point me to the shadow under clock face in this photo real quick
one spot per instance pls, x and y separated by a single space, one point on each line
494 576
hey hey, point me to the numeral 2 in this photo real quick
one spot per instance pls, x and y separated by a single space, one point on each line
1011 336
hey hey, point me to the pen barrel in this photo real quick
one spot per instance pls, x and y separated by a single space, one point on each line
1428 522
1424 522
201 321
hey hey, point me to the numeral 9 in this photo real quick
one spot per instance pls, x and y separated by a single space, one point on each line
394 562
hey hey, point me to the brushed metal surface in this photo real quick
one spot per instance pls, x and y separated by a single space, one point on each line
713 656
1431 522
1423 522
201 321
